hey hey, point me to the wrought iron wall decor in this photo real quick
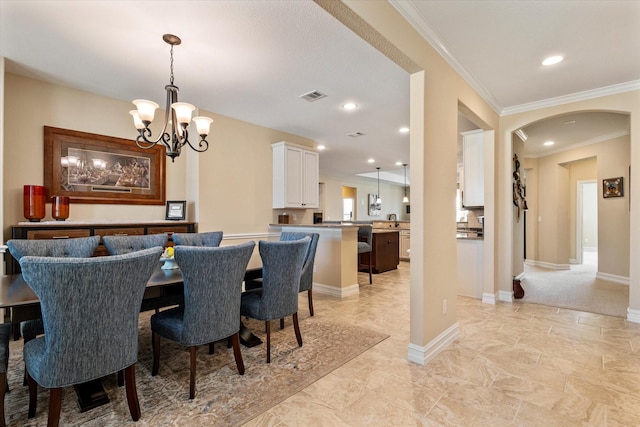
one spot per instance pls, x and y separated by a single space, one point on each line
519 190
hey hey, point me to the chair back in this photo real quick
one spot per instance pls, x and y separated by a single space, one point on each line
81 247
212 280
365 238
209 239
306 278
90 310
281 270
119 245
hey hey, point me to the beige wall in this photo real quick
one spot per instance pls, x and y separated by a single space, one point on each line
558 175
232 179
627 103
436 91
391 198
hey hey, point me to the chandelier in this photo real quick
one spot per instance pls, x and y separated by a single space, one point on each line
177 116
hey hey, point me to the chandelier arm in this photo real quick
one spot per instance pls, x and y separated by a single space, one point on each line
202 143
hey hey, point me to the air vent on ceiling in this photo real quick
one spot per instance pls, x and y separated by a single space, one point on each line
355 134
313 96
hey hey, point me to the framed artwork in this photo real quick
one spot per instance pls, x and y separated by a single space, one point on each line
176 209
612 187
90 168
374 206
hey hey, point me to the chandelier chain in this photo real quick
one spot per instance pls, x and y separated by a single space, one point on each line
171 63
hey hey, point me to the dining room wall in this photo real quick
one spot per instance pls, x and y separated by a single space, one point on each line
227 187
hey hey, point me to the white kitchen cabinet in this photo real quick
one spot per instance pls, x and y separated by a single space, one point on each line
473 169
405 244
295 176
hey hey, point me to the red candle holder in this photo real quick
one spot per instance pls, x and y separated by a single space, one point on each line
33 198
60 208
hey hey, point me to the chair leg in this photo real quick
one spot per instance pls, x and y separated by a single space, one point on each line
132 392
55 405
282 323
296 328
211 349
370 279
192 375
120 378
3 390
155 338
310 298
267 327
235 340
33 395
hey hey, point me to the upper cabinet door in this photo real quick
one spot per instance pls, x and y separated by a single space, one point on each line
473 172
295 177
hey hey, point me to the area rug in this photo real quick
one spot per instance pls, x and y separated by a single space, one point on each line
223 397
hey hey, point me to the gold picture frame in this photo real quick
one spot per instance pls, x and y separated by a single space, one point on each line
91 168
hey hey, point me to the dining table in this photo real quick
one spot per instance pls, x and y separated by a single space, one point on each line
21 303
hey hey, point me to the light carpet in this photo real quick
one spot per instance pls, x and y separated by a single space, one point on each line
576 289
223 397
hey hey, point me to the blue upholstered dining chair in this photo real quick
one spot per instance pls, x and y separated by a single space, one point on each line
5 332
210 239
278 297
306 278
82 247
83 339
212 287
119 245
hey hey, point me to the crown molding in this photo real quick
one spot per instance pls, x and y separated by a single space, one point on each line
421 24
426 30
573 97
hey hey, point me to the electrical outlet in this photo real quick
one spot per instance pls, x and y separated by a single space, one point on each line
444 306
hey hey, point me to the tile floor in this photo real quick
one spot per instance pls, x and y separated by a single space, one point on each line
513 365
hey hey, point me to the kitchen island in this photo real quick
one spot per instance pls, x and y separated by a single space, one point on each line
336 263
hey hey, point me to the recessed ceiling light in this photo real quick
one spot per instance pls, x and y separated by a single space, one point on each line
321 147
548 143
552 60
371 160
350 106
404 130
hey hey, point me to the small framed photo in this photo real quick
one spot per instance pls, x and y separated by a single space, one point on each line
612 187
176 209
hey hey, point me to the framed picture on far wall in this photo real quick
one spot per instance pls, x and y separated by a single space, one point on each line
612 187
374 206
176 210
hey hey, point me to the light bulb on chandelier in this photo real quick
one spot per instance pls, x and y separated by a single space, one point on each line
177 116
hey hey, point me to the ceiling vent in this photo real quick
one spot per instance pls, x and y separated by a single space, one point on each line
355 134
313 96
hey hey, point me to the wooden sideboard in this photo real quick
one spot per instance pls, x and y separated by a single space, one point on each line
72 229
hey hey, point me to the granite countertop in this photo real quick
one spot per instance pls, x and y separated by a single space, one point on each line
330 225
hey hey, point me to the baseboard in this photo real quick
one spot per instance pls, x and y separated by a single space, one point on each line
633 315
545 264
319 288
573 261
622 280
519 276
423 354
505 296
488 298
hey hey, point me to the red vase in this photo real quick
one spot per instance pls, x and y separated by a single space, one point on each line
34 202
60 207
